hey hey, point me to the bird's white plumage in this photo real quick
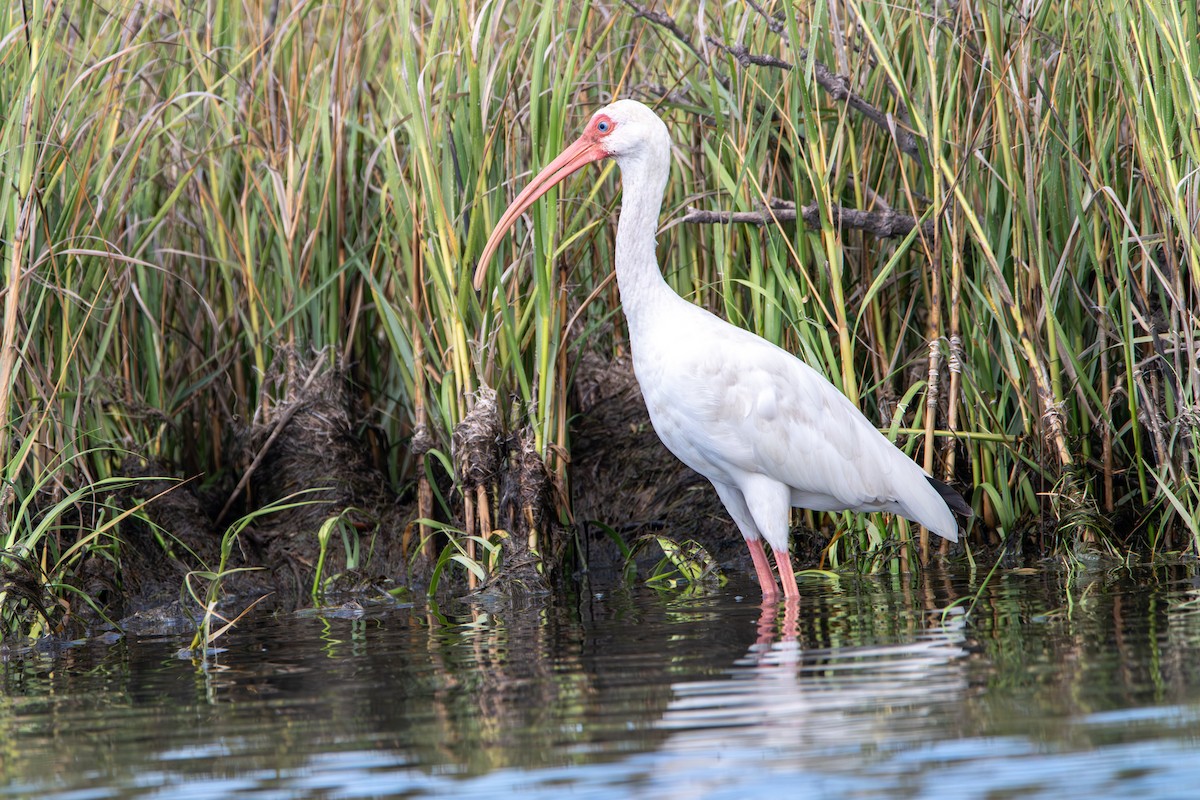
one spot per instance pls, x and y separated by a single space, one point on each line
741 411
769 431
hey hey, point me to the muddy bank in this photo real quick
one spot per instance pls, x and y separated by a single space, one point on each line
307 452
308 461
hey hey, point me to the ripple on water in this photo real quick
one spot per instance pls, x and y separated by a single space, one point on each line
865 690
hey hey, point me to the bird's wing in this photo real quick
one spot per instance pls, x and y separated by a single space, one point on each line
757 409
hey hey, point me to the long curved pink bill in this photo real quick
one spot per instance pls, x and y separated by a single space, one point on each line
583 150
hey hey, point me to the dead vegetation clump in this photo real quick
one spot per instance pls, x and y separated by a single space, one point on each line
305 446
301 453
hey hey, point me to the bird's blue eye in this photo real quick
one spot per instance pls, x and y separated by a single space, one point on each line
602 126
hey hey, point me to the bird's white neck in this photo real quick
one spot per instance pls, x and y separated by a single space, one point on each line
639 278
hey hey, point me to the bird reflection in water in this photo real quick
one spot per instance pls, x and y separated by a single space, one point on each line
807 706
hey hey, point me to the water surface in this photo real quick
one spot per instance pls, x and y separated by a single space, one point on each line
1054 685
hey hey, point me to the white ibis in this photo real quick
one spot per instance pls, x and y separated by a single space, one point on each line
769 431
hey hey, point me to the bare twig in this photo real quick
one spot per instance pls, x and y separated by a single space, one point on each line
837 86
885 224
655 92
745 58
774 22
664 20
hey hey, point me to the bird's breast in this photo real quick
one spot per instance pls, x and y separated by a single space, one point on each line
696 401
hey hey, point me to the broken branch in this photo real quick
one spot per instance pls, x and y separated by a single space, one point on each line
885 224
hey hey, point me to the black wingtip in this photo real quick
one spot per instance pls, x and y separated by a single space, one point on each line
952 498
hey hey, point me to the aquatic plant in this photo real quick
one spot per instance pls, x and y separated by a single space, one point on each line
206 587
683 565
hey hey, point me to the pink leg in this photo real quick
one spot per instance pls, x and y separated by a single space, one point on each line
787 575
766 578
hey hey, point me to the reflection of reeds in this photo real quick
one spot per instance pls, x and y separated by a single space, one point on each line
190 185
512 689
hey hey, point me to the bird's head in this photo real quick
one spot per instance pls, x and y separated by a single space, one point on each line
626 131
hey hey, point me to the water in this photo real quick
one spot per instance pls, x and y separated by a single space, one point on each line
1056 685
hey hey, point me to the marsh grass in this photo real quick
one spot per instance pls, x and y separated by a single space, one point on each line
189 185
206 587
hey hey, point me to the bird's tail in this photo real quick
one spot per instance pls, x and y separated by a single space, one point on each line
930 504
952 498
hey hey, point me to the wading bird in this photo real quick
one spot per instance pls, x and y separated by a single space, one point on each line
768 430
